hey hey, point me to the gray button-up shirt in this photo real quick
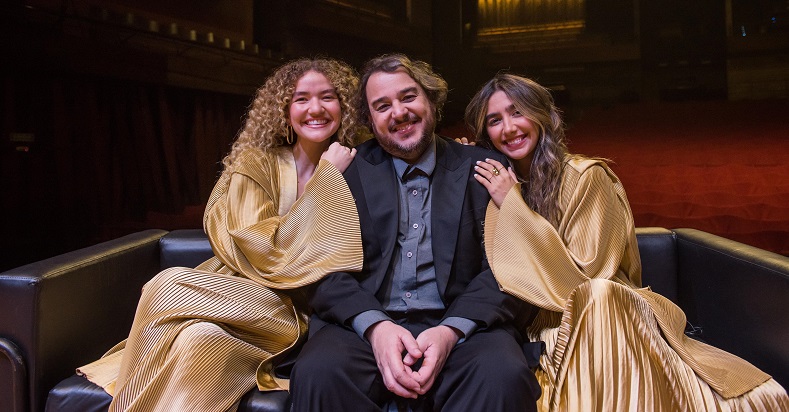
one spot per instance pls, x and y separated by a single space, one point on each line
411 281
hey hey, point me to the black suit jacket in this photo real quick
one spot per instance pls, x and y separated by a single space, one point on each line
465 281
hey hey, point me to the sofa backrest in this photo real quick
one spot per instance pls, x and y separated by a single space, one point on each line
184 247
657 246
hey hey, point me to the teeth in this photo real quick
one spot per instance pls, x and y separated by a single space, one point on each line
515 141
402 127
317 121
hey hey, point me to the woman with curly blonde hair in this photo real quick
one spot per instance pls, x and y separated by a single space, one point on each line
267 123
559 234
280 217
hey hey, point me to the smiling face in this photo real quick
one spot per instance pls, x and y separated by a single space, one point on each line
402 117
314 111
510 131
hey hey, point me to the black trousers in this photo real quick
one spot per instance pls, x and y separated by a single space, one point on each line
336 371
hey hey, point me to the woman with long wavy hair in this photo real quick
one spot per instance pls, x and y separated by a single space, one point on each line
559 234
280 217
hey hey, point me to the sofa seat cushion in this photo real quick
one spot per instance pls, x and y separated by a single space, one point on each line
77 394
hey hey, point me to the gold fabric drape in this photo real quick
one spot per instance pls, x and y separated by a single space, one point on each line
203 337
611 345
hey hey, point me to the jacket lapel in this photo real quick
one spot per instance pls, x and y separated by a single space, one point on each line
381 196
449 186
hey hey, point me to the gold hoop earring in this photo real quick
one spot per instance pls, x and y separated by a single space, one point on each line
290 138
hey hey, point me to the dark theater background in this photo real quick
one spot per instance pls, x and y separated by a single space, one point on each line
115 114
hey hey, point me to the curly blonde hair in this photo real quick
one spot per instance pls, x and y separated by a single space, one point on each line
541 192
266 124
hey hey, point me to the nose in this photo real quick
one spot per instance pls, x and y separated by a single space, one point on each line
509 125
399 110
315 107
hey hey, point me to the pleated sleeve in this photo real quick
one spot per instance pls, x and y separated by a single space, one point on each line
540 264
319 234
595 239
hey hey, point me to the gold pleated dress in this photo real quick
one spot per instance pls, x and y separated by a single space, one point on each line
611 345
203 337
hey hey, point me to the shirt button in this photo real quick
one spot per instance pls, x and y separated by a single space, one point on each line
409 254
408 294
414 192
415 226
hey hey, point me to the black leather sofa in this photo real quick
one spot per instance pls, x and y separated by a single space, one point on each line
63 312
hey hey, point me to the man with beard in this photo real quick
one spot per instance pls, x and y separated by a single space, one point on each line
423 325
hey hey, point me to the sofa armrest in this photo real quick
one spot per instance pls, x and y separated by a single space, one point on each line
68 310
13 393
738 295
658 249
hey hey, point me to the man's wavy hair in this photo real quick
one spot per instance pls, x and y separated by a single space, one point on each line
435 86
542 190
266 124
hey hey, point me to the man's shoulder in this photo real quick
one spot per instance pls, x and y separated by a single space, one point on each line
367 146
371 151
471 152
368 154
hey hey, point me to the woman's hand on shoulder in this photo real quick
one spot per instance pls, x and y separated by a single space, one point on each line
338 155
463 140
497 178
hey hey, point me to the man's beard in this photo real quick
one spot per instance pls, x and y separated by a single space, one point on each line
412 151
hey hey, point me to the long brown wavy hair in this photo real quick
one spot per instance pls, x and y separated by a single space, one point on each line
541 191
266 125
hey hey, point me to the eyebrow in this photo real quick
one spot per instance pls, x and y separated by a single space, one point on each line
407 90
509 108
300 93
